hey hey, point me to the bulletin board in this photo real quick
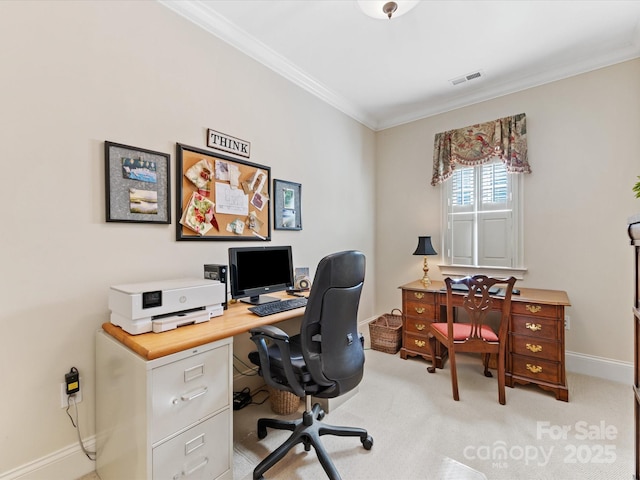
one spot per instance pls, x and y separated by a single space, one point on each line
221 197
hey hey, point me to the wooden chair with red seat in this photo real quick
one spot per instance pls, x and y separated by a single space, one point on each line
475 335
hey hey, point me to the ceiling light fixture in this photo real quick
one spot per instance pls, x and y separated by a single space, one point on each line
384 9
388 8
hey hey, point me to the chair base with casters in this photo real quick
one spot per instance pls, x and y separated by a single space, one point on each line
307 430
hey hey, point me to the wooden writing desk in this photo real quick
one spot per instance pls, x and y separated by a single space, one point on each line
236 319
535 348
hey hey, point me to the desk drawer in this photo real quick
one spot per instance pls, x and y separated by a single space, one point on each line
202 452
418 309
535 347
187 390
536 369
417 325
532 308
416 343
538 327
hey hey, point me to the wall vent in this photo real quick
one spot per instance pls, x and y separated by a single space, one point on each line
466 78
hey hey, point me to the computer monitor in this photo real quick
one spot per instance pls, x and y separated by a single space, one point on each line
257 271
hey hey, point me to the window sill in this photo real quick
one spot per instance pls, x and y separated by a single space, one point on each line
469 270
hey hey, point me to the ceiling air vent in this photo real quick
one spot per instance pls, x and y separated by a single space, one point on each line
466 78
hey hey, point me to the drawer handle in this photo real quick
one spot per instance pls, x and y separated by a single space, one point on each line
420 343
534 368
190 396
534 327
418 295
196 468
420 326
533 308
420 310
534 348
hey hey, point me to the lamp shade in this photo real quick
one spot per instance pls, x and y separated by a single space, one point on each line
424 247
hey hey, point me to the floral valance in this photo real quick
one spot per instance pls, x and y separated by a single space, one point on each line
505 138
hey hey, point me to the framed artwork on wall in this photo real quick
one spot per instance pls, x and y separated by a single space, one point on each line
220 197
136 184
287 203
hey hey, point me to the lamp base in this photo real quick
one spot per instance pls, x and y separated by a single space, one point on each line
425 279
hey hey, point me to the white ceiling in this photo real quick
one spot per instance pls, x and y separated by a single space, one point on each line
388 72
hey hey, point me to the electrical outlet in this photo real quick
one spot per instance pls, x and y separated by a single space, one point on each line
63 395
567 322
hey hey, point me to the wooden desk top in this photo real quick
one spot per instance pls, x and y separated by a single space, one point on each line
534 295
236 320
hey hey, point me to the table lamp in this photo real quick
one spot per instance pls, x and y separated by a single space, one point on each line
425 248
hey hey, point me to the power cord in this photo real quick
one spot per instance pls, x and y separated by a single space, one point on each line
253 368
71 399
244 397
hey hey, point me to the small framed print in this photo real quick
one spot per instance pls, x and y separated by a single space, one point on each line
136 185
287 203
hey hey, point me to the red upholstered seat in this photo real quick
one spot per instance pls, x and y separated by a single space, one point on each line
462 332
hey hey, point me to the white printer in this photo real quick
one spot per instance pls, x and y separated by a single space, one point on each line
164 305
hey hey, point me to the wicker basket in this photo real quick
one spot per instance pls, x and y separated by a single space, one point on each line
283 403
386 332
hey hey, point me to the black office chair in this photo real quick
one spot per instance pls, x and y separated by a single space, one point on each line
325 360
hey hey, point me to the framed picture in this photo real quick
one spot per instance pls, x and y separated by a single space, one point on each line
287 202
136 185
220 197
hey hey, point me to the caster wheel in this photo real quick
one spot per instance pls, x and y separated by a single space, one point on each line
321 415
367 443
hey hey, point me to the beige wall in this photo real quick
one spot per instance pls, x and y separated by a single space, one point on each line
583 148
77 73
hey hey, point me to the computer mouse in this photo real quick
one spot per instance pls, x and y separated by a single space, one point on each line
516 291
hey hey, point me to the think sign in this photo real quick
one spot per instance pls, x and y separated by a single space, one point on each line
227 143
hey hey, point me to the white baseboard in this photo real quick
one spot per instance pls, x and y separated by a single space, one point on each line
591 365
68 463
600 367
71 463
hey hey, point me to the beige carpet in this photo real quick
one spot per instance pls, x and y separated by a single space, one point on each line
420 432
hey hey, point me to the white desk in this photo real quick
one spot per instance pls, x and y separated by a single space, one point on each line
164 400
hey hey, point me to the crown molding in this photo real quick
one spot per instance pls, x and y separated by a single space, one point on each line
196 12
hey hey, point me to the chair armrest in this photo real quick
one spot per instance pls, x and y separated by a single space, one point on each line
269 331
280 340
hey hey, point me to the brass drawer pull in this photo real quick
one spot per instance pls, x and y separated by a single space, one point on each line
534 327
420 343
534 348
418 295
534 368
533 308
420 326
420 310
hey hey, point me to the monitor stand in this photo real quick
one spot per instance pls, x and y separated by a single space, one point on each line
259 300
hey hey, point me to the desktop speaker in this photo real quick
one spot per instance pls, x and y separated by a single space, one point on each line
301 278
218 272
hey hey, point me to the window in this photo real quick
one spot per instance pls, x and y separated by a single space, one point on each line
482 220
